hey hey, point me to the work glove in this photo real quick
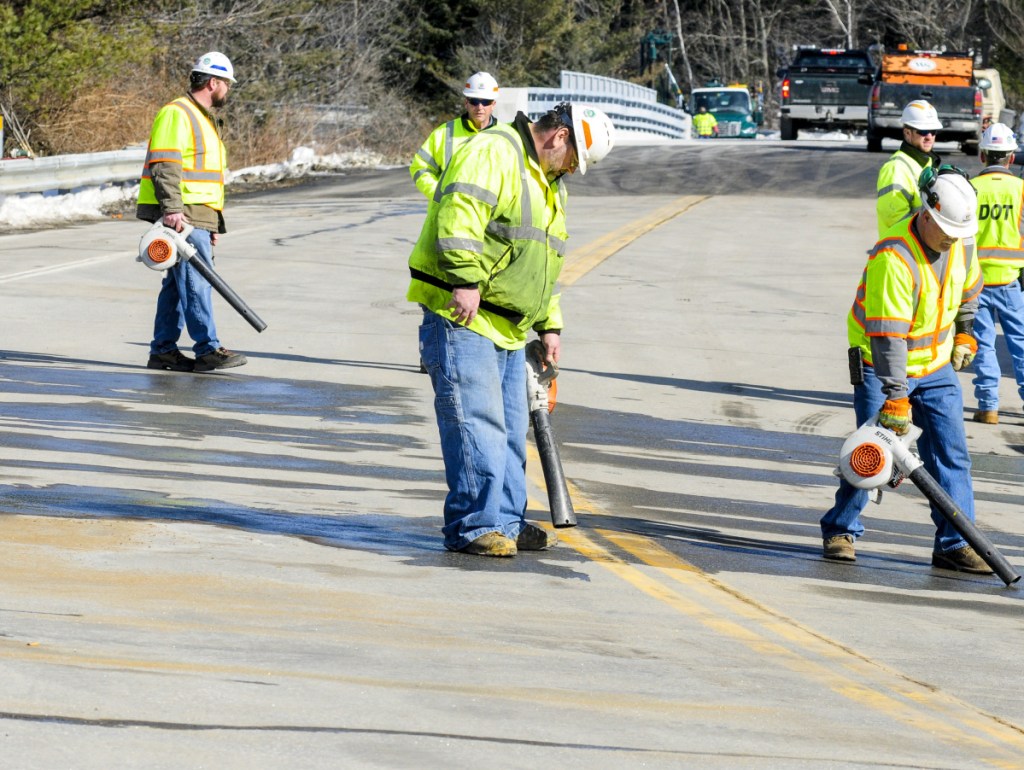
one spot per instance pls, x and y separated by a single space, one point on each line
964 348
895 415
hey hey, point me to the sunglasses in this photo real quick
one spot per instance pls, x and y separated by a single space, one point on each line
919 132
479 102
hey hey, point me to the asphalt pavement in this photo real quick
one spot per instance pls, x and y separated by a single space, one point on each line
244 569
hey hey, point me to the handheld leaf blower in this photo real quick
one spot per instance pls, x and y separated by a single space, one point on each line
874 457
539 376
162 247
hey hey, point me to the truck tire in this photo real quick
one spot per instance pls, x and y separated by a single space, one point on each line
874 142
787 129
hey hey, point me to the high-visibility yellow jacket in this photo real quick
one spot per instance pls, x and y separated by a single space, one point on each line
183 134
436 153
904 295
1000 225
897 186
704 123
498 223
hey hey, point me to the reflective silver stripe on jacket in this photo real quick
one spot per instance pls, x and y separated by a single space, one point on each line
449 141
197 132
157 156
880 326
926 341
481 194
461 244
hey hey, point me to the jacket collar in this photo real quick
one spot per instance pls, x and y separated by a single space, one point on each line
922 158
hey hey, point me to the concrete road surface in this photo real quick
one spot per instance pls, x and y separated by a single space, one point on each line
244 569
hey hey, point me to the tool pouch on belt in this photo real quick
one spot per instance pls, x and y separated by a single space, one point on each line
856 360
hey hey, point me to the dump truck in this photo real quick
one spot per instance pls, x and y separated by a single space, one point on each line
944 79
732 107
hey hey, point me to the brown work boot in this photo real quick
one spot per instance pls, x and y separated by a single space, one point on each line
964 559
491 544
839 548
534 538
987 416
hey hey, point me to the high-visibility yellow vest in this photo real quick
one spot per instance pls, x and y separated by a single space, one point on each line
902 294
183 134
496 222
1000 225
897 189
704 123
436 153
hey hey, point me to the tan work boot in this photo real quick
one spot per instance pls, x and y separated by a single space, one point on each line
534 538
987 416
839 548
964 559
491 544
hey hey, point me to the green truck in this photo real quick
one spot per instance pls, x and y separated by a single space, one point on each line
733 108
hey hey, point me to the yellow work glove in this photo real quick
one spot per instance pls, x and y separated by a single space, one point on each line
964 348
895 415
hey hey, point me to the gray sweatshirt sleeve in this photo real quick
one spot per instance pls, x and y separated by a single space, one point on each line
889 357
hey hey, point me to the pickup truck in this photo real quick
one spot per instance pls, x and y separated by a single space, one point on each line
826 88
945 79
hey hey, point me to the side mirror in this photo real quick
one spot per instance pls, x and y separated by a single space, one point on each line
984 84
780 72
758 117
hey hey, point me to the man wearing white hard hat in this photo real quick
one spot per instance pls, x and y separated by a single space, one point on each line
910 332
485 271
897 187
183 182
1001 253
480 93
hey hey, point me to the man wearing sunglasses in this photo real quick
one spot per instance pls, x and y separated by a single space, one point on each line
485 272
480 92
897 186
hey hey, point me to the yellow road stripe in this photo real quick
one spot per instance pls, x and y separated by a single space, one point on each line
578 264
809 653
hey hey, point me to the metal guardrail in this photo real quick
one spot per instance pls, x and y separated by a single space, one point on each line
633 109
70 172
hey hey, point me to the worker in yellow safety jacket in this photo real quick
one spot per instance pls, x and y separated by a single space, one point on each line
910 331
183 183
1001 253
705 124
897 184
485 272
480 93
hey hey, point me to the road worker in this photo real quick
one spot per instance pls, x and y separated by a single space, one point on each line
1001 254
705 124
910 332
897 186
480 93
484 270
183 182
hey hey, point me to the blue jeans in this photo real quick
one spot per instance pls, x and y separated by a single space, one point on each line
480 403
186 300
937 408
1006 304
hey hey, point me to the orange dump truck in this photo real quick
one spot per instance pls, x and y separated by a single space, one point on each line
944 79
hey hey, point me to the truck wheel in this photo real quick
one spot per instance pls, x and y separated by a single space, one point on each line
787 128
874 142
969 148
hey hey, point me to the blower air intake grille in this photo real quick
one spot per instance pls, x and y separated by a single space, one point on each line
159 251
867 460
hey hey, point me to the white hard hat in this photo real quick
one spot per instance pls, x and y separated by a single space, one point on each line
217 64
998 138
593 133
481 85
920 114
952 202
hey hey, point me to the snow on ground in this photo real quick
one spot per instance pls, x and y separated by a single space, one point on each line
41 209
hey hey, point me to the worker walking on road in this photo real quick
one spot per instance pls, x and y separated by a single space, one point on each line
484 271
897 186
705 124
1001 254
480 92
910 328
183 182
